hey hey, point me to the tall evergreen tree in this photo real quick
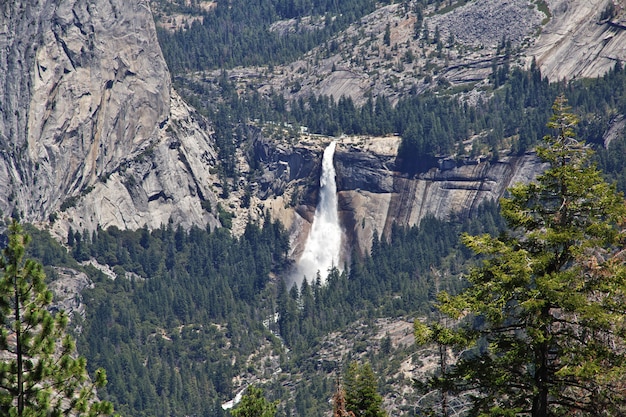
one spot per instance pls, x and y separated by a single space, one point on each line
362 397
40 374
547 309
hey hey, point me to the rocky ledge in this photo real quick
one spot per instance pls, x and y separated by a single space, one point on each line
373 194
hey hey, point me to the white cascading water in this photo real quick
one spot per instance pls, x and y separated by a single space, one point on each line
323 246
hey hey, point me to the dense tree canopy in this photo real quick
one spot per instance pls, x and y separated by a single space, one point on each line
546 311
238 32
40 375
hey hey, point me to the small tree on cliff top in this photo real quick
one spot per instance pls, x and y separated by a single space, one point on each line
548 305
40 376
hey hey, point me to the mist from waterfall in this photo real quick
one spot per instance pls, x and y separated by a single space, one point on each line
323 245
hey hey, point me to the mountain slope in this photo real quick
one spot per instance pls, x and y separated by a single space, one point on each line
568 39
92 135
86 96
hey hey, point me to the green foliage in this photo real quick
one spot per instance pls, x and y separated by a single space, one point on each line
547 306
387 35
168 334
542 6
237 33
430 125
194 301
254 404
395 280
46 250
225 216
362 397
613 163
69 203
39 372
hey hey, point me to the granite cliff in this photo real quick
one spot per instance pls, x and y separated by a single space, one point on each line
90 130
373 193
92 133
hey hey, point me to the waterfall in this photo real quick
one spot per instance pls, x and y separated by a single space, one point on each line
323 245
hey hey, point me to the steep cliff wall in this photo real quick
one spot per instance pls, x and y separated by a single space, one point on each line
173 179
91 132
87 113
576 43
373 194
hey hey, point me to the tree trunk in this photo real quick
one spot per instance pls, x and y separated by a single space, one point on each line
540 401
18 351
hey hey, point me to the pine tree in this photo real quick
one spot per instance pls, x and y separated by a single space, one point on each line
546 311
362 397
254 404
40 374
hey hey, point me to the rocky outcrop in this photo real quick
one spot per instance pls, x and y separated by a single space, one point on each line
85 87
89 124
576 44
173 179
287 184
91 132
567 39
486 23
67 287
374 194
284 164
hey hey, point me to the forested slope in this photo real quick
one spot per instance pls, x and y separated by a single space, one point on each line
193 316
190 313
197 311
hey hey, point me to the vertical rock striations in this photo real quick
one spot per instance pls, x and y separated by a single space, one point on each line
576 43
86 119
373 194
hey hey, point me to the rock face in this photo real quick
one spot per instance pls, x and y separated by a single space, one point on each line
91 132
575 43
572 42
487 22
88 119
172 179
362 64
373 194
67 287
284 165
